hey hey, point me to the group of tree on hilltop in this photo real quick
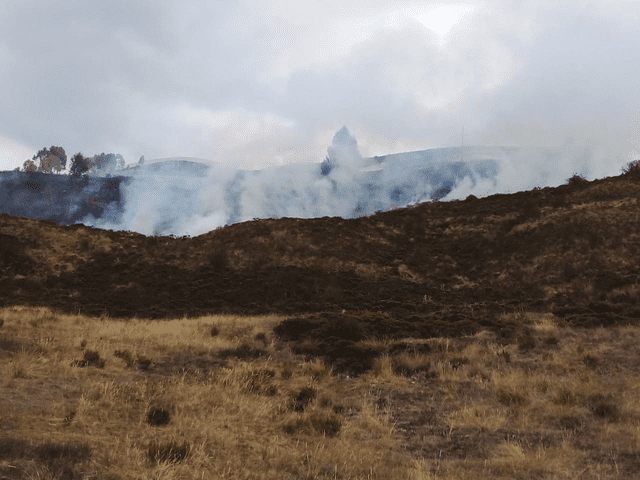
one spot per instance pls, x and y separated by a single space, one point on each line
54 160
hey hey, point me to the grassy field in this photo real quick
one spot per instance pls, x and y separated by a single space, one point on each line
223 397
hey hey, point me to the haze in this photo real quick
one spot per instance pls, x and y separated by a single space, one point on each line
257 84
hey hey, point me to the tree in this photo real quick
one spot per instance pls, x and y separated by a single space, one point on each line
79 164
50 163
30 166
60 153
47 160
107 162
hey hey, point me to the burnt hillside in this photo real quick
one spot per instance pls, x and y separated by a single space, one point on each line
444 268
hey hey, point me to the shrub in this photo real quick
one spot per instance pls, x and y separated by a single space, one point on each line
143 362
243 352
303 398
157 416
632 169
510 398
91 358
124 355
576 179
606 410
526 342
325 423
590 361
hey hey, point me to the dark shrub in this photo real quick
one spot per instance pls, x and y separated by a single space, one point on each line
91 358
457 362
325 423
506 356
158 416
632 169
576 179
512 398
571 422
606 410
124 355
590 361
526 342
214 331
243 352
143 362
303 398
531 211
259 381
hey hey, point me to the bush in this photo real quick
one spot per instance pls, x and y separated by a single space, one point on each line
576 179
526 342
91 358
632 169
327 424
303 398
143 362
157 416
124 355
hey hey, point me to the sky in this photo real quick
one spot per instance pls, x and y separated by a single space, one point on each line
255 84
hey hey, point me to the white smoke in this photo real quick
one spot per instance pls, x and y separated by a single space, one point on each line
168 202
173 204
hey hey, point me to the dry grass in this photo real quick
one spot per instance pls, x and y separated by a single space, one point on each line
205 406
219 397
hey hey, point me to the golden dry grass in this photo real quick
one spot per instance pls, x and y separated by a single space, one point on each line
220 397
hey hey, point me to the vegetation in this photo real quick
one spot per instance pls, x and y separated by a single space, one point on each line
47 160
488 338
54 159
632 169
478 406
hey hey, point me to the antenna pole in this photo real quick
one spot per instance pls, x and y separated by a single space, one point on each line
462 148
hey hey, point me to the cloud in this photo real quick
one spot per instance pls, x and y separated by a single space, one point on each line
254 87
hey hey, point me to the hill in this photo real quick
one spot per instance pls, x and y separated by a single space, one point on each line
443 265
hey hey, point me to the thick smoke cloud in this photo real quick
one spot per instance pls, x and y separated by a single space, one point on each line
169 199
171 203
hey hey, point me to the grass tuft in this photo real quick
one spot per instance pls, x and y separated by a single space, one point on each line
170 452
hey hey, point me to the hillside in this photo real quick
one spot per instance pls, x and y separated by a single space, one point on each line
555 249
